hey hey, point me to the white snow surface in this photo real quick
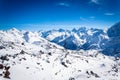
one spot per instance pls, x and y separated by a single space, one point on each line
38 59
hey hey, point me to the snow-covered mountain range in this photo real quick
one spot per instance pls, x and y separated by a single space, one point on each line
77 39
105 40
77 54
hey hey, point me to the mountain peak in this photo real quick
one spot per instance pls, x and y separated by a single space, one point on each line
14 29
114 31
79 29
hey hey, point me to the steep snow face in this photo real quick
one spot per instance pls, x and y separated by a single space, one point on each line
40 59
114 31
76 39
113 45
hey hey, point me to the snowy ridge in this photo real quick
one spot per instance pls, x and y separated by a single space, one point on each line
31 57
77 39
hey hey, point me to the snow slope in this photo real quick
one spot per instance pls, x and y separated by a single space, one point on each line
32 57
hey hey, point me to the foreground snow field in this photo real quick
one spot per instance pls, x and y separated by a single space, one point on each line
31 57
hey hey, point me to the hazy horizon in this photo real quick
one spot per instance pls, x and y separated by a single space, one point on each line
38 27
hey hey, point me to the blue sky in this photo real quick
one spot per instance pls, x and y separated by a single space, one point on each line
36 14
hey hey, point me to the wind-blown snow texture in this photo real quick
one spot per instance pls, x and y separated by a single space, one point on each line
25 55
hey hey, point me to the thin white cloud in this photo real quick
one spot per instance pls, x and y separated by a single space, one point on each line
89 19
109 14
84 19
92 17
63 4
95 1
